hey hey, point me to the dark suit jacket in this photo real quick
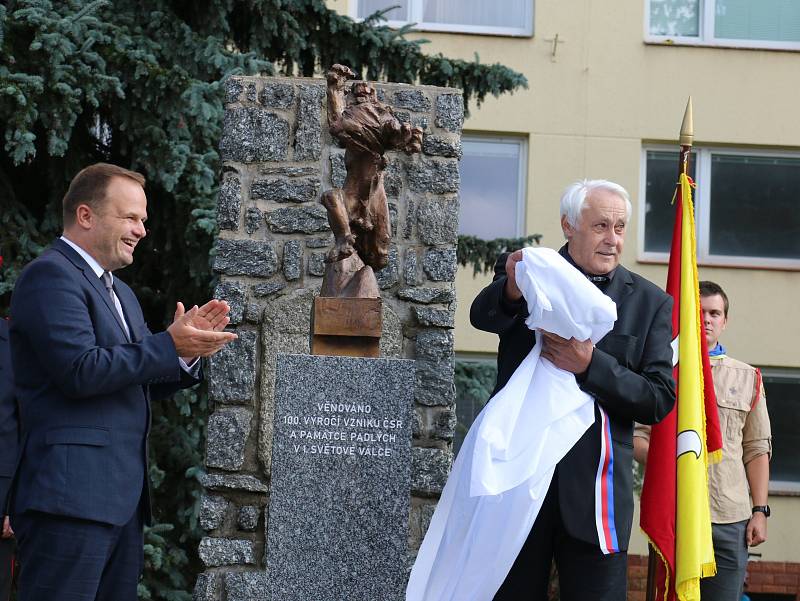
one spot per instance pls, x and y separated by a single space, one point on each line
630 376
8 419
84 391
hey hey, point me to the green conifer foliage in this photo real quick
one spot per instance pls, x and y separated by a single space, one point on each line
140 83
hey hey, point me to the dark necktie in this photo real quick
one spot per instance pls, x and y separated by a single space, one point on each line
108 282
597 279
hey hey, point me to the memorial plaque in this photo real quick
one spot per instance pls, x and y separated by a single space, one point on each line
340 487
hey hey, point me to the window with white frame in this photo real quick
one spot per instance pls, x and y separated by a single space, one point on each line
783 404
492 187
746 206
510 17
736 23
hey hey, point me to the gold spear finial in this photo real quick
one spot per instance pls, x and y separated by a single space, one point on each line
687 127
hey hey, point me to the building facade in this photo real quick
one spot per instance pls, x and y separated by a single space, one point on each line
608 86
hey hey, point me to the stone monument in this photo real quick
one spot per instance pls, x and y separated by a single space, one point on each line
317 517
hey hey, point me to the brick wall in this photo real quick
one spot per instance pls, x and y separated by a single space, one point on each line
764 577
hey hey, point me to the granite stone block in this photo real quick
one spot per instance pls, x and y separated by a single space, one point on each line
425 516
212 511
429 471
393 218
437 221
277 95
427 316
234 294
232 371
411 273
319 242
316 264
253 134
304 219
440 264
416 423
413 100
252 313
444 425
253 218
248 518
450 112
290 171
435 367
229 204
268 288
389 275
411 217
285 327
434 145
307 138
341 451
285 190
241 482
292 259
438 176
245 257
233 88
338 170
228 430
215 552
247 586
393 178
251 92
427 295
208 587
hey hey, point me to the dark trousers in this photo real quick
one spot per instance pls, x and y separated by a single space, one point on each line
730 553
6 566
68 559
584 572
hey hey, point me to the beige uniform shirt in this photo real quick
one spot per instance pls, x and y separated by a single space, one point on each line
746 434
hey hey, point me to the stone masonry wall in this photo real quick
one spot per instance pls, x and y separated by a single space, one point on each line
278 157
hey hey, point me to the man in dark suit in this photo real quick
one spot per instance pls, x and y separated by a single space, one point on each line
8 458
86 368
585 521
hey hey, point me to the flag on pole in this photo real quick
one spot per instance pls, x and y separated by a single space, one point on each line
675 512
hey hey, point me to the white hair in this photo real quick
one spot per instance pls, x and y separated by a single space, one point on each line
574 198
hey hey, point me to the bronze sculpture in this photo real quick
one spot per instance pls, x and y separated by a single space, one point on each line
359 212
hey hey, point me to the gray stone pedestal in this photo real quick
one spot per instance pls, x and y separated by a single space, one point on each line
341 469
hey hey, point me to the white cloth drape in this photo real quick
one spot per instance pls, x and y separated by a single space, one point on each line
505 466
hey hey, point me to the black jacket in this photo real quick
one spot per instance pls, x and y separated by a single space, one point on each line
8 419
630 376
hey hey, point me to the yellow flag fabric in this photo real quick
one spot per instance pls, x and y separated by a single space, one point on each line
694 552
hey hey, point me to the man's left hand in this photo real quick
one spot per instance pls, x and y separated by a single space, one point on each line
211 317
570 355
756 529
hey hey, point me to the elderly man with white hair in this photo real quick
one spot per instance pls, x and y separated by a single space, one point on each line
584 522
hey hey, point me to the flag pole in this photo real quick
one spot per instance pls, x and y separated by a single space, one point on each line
685 140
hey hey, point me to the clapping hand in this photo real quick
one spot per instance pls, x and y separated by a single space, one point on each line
199 332
212 317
